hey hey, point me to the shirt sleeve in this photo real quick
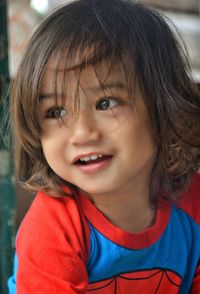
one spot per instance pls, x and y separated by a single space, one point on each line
52 248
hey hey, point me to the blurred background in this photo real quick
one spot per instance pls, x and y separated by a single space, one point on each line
18 20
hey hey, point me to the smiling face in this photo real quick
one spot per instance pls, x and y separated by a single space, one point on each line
103 145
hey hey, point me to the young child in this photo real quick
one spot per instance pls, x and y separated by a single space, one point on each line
106 124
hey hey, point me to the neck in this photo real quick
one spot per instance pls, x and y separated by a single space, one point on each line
128 210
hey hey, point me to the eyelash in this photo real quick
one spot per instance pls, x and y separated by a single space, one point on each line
116 100
58 112
51 112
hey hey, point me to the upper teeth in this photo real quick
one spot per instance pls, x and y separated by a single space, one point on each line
91 157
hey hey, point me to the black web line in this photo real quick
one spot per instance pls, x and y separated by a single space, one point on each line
142 278
109 283
168 277
115 286
159 282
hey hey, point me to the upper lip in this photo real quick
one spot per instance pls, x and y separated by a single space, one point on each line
78 157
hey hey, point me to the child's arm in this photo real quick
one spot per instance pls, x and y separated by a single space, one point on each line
51 248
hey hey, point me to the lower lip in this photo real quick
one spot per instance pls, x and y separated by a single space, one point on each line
94 167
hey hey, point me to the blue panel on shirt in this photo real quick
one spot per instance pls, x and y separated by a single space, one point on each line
176 250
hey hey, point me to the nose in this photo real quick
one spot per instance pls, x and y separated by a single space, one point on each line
85 130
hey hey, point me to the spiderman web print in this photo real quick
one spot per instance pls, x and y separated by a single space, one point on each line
155 281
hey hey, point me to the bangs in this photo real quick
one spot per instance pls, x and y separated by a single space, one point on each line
78 44
115 35
69 61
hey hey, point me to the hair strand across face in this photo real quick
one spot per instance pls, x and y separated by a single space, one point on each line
89 32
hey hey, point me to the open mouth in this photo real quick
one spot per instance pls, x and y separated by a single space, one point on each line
94 159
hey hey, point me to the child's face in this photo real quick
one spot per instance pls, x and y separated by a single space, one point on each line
105 146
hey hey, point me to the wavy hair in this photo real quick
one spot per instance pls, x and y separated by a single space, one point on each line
143 42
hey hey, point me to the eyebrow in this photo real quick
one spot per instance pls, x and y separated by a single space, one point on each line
105 86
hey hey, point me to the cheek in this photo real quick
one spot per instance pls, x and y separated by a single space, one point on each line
53 156
139 140
50 149
54 138
146 145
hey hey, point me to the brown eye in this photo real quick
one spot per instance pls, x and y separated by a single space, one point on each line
107 103
56 112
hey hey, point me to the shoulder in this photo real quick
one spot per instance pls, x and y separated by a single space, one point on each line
52 248
52 220
190 199
46 208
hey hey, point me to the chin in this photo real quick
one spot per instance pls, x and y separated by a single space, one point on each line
93 190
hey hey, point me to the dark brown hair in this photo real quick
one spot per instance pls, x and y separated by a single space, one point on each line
141 40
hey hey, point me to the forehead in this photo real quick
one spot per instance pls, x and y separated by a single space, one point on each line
89 76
